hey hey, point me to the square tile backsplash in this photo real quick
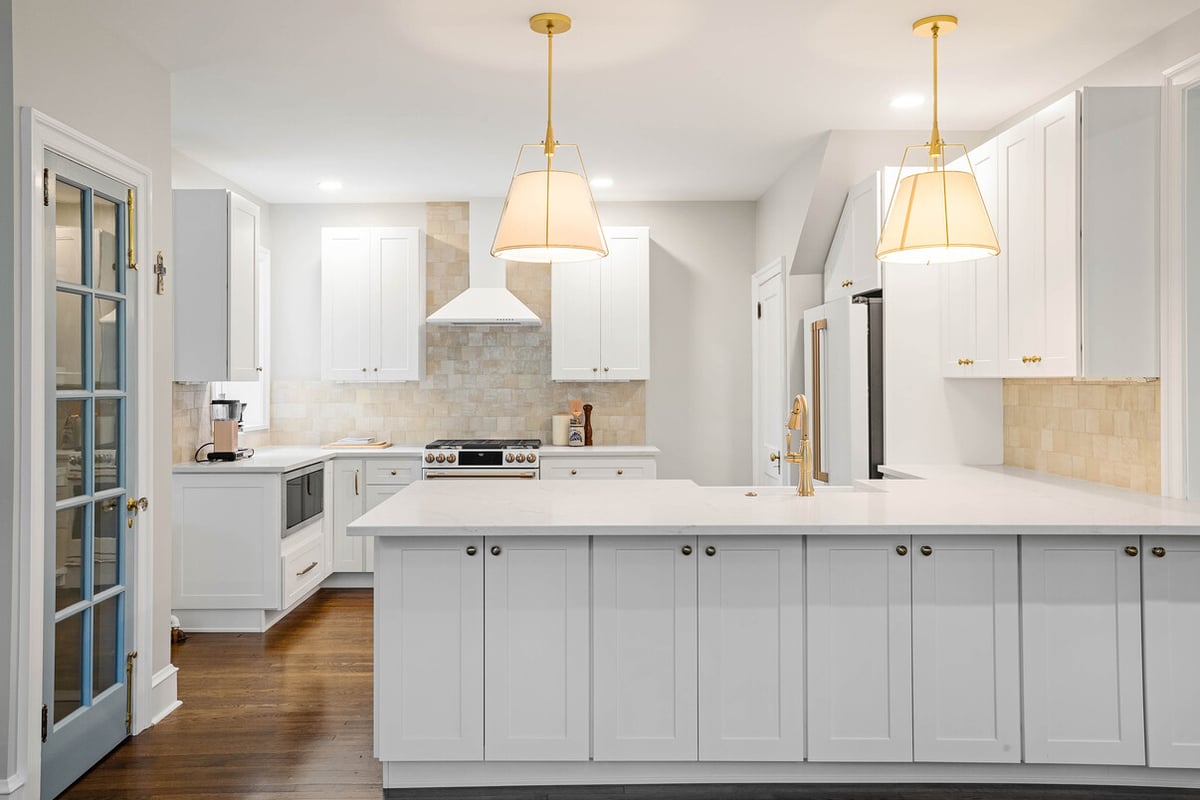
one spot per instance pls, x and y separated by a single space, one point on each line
1102 431
485 382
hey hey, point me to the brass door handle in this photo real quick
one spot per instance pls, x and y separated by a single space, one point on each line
686 549
495 549
356 483
774 457
472 550
710 551
135 505
926 550
1159 552
901 550
1131 551
847 283
307 569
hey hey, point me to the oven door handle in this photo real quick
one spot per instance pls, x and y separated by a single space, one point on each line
467 474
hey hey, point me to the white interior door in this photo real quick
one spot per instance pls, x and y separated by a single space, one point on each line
769 345
91 453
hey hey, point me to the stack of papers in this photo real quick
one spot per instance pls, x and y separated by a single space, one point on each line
356 440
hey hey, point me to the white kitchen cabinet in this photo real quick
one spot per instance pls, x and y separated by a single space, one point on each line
600 312
1171 614
859 646
216 241
969 300
644 648
1081 639
372 304
348 505
603 468
536 649
851 267
429 658
751 648
965 649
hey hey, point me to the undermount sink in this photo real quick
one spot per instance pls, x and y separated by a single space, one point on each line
790 491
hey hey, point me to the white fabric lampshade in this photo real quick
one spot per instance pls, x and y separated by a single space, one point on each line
568 231
937 217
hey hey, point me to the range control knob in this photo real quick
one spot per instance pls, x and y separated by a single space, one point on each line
520 458
532 457
441 457
429 458
451 458
509 457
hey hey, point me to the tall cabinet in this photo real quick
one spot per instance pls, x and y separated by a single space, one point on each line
600 312
372 304
216 239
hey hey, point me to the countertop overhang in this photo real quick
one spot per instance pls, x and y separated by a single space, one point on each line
946 500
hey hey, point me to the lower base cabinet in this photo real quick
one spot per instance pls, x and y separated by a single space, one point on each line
358 486
1082 649
1171 615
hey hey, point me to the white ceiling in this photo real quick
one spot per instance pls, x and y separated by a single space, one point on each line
411 100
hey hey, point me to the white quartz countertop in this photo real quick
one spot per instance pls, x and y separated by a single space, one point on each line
947 500
282 459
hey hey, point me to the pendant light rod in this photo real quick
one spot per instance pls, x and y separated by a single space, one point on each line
548 25
933 27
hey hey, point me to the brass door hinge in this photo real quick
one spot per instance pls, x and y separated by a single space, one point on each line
46 187
129 691
45 722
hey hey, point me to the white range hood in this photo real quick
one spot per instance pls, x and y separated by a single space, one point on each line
487 301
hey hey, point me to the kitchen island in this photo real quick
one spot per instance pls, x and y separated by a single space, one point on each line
980 625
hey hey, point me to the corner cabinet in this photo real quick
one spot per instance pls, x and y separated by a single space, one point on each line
600 312
216 286
360 484
372 304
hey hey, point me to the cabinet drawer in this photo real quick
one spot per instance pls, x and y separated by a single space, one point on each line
598 468
304 564
391 471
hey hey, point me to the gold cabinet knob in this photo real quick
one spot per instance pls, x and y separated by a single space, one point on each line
364 369
901 550
495 549
620 472
573 472
1159 552
1024 359
1036 359
710 551
472 550
686 549
606 369
926 550
847 283
1131 551
393 472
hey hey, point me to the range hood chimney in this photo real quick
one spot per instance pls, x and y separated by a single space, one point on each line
487 301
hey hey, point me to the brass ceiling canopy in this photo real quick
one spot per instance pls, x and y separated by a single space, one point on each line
550 23
941 24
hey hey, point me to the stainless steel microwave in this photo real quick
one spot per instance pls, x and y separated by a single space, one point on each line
303 497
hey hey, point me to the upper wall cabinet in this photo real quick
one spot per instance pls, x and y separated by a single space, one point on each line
1074 289
216 287
372 304
851 267
600 312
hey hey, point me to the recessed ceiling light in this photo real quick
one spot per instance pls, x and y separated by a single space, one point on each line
602 183
908 101
330 185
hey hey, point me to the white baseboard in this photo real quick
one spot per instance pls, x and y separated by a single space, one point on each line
428 774
164 693
349 580
11 786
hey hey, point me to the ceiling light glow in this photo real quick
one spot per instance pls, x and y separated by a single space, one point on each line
330 185
908 101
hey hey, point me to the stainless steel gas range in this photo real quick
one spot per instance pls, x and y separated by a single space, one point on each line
482 458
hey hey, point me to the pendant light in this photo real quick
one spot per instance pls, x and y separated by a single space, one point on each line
937 214
549 213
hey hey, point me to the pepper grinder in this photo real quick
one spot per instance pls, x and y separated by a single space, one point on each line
587 424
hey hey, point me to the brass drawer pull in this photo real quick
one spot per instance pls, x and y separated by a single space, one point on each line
573 472
1131 551
926 550
472 550
901 550
1159 552
710 551
620 472
847 283
686 549
307 569
495 549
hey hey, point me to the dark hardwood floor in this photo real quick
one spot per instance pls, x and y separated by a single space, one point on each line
287 714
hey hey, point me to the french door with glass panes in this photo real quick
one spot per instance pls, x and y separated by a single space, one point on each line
90 443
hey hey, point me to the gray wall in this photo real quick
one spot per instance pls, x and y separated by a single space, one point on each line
698 396
9 527
132 116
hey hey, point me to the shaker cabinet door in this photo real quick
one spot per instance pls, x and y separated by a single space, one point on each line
536 648
345 298
1081 640
751 646
644 634
429 649
348 505
859 647
624 305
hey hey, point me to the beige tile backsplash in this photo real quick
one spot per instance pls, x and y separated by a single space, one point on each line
492 382
1101 431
